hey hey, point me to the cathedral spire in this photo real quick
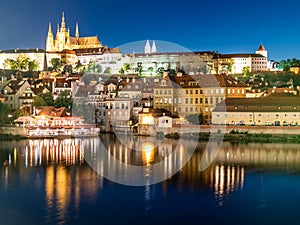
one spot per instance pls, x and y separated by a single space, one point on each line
77 31
147 48
50 29
49 40
63 23
153 49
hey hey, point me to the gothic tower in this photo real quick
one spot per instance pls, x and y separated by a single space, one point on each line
153 49
63 35
147 48
77 31
50 39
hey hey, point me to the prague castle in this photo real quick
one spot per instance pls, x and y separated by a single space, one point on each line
63 40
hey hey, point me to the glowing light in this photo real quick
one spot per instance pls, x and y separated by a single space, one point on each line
147 153
147 120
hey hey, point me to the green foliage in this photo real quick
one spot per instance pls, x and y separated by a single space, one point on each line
126 67
22 63
56 64
45 99
246 70
64 100
121 71
93 67
39 101
68 68
108 70
4 112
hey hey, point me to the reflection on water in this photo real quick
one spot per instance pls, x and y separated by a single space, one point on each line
66 179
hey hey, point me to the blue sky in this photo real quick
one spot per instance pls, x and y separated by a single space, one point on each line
228 26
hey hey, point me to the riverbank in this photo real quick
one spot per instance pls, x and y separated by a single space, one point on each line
238 137
11 137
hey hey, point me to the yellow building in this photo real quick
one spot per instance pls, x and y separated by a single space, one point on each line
272 110
64 41
184 95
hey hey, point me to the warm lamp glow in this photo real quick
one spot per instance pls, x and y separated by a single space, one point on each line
147 153
147 120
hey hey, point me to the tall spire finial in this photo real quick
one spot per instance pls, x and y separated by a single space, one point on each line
50 29
77 31
63 23
153 49
147 48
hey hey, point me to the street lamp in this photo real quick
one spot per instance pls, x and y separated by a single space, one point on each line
9 118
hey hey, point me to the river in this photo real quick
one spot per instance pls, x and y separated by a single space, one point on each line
70 181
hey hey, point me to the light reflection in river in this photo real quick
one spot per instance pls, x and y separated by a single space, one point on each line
67 179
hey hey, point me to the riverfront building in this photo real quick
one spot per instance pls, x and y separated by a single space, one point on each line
271 110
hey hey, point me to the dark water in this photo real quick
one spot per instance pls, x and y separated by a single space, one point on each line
49 182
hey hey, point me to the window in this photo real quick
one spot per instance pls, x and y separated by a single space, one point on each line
211 100
165 92
196 100
186 101
191 92
206 101
196 92
201 91
201 100
169 92
186 92
228 91
191 100
191 109
179 100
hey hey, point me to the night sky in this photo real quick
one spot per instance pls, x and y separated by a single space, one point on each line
229 26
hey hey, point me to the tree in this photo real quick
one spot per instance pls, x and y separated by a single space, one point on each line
139 69
79 68
33 65
160 70
126 67
4 112
39 101
107 70
45 99
56 64
150 70
121 71
246 70
22 63
64 100
68 68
